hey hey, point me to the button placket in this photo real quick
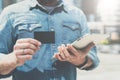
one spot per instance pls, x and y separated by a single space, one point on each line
51 28
53 46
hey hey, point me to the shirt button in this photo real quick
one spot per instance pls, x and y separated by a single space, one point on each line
51 29
53 46
49 16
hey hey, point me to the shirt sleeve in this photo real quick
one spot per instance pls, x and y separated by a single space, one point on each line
93 52
6 32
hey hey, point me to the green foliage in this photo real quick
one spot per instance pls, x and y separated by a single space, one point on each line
106 41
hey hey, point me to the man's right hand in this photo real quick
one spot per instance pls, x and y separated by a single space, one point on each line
23 50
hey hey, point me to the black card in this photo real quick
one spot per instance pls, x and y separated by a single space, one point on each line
45 37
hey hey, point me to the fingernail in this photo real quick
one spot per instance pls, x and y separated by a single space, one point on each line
62 45
68 44
40 43
58 47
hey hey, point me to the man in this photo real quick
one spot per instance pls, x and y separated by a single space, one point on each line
32 60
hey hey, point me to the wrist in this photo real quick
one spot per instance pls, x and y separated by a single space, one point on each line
7 63
84 63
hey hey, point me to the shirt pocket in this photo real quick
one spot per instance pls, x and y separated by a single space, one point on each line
27 29
71 25
29 26
71 31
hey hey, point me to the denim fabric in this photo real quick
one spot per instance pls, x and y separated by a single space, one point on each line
21 20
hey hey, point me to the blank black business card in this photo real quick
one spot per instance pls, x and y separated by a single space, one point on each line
45 37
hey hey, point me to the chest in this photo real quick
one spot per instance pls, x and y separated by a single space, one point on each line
66 27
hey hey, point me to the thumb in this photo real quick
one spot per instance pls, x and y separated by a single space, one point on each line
89 46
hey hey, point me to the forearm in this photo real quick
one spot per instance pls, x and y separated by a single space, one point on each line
6 64
86 64
94 59
91 61
5 69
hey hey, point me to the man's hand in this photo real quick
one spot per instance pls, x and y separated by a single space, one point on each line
23 50
72 55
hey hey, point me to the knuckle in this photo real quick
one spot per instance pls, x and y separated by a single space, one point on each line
22 62
28 57
26 50
18 41
16 47
28 45
30 51
13 63
67 56
28 40
16 53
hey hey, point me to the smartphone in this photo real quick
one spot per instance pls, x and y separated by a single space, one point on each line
87 39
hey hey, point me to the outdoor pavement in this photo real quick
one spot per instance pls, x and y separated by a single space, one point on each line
109 69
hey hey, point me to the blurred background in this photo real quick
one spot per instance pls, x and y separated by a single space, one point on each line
103 17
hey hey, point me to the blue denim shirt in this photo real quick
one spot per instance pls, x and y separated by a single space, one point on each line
22 19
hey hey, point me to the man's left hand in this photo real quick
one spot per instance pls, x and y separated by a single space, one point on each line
72 55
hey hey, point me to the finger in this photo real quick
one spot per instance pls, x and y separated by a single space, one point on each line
89 47
19 52
24 52
21 59
25 57
60 49
72 50
62 55
66 53
20 62
29 40
29 51
59 57
25 46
